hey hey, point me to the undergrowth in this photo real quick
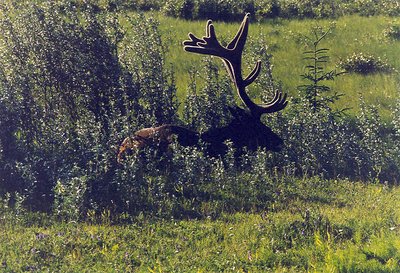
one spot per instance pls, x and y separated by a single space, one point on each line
315 225
61 127
76 78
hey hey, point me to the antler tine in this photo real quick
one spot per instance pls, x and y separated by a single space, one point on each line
240 38
278 103
253 74
208 45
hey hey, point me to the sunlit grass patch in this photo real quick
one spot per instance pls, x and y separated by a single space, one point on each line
317 226
285 42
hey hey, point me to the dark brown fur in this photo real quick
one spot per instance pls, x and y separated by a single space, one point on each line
244 131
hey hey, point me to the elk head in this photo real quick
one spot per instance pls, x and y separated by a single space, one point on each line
246 129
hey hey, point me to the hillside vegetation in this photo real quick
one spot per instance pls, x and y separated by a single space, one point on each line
229 10
77 77
75 81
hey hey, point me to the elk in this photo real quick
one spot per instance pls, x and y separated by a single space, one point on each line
245 129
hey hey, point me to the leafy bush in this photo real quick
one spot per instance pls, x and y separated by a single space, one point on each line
309 9
185 183
229 10
391 8
73 85
267 8
364 64
148 85
145 5
325 144
69 196
392 32
179 8
209 9
375 7
233 10
208 108
53 84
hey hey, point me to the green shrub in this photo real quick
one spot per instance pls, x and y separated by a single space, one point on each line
392 32
69 196
229 10
53 84
186 183
375 7
179 8
73 86
394 151
208 108
148 85
391 8
209 9
299 9
267 8
146 5
364 64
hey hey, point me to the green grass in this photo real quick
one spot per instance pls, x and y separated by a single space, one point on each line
315 226
351 34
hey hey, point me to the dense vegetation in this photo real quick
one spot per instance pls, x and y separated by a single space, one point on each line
76 78
263 9
74 82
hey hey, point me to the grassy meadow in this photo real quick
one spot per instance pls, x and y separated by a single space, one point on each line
311 224
286 42
314 226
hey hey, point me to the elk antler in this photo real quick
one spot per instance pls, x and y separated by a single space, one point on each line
232 57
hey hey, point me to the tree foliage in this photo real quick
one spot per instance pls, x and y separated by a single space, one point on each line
70 86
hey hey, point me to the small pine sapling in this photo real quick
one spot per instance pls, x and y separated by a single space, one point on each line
315 91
